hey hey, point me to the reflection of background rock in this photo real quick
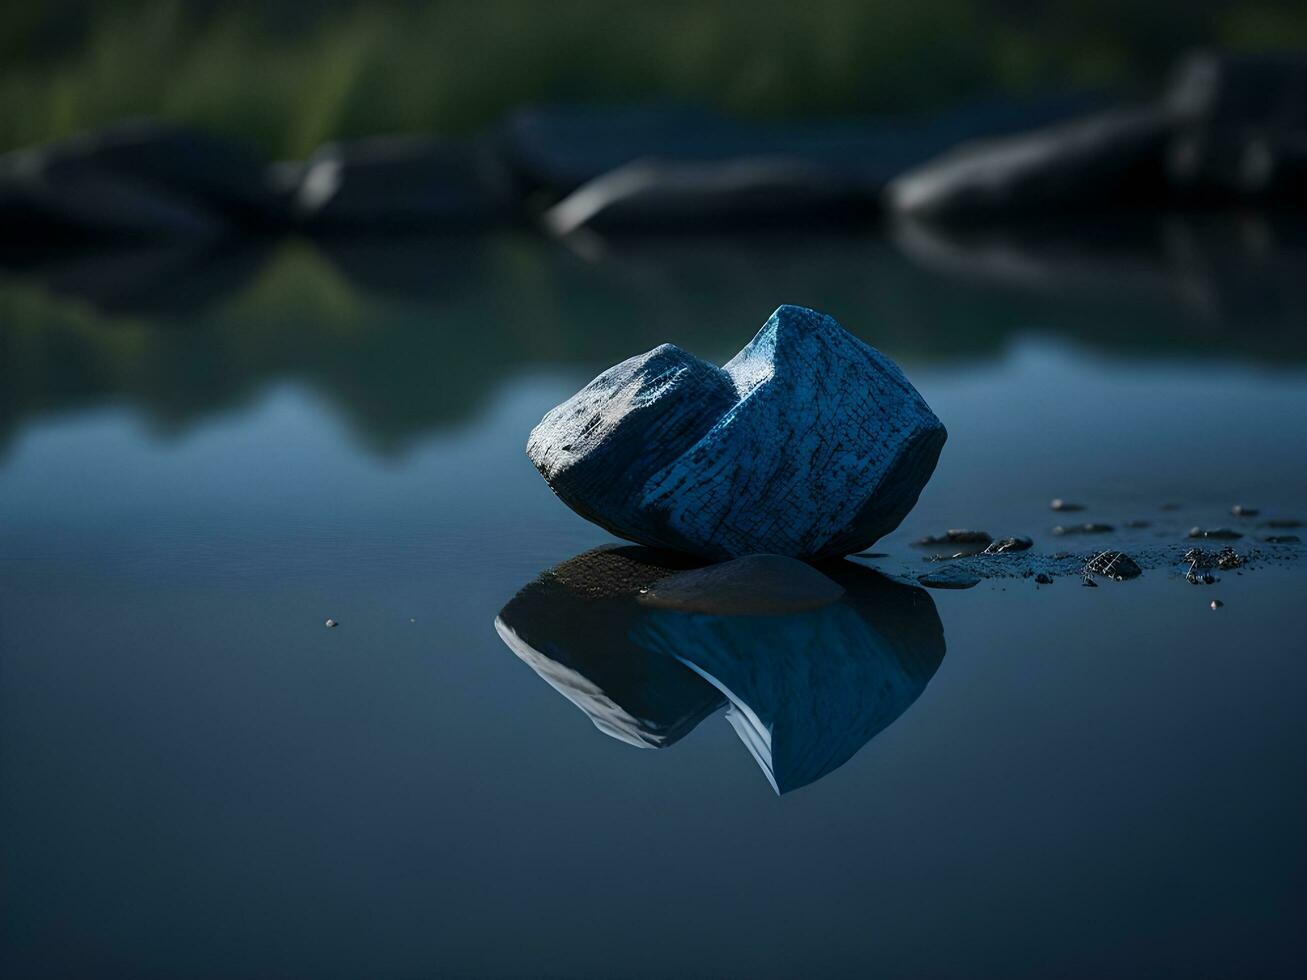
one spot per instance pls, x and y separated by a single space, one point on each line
406 335
806 690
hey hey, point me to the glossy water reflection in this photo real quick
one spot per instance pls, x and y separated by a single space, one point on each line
405 335
198 779
805 691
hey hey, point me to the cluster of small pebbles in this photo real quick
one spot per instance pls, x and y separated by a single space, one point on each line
970 554
1116 565
1224 559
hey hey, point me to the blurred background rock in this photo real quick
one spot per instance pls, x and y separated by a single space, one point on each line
304 186
289 75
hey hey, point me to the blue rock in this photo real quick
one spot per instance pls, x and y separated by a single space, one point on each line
809 444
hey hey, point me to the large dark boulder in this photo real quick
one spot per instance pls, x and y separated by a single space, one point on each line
39 212
554 151
207 172
140 180
747 193
1112 158
1243 128
808 444
403 183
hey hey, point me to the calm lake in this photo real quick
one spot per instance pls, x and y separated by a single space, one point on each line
205 457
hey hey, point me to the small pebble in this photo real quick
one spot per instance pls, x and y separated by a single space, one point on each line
1065 505
1239 510
1282 522
1217 603
1216 533
1170 507
331 624
1138 523
1083 529
1043 578
1282 539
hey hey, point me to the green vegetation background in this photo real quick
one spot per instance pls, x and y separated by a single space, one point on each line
288 74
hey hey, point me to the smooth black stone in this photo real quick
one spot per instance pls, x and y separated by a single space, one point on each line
127 178
37 213
1091 528
1110 158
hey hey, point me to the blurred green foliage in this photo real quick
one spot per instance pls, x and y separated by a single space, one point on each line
289 74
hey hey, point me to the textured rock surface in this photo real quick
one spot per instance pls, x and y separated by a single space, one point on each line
808 444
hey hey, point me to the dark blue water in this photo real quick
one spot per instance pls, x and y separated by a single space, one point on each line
199 779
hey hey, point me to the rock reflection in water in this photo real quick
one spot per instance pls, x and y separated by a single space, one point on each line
803 691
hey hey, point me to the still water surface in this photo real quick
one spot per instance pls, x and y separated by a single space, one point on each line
197 778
